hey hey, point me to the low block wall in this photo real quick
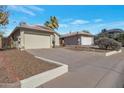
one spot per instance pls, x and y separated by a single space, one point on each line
112 52
44 77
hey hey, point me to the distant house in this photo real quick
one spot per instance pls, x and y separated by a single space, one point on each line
77 38
112 33
32 37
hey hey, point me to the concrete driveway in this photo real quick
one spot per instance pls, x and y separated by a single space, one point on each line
86 69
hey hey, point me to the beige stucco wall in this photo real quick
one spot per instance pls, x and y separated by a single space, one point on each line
22 39
57 43
51 38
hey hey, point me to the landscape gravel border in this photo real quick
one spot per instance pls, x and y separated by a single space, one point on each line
112 52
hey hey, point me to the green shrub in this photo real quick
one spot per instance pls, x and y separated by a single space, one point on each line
120 38
107 43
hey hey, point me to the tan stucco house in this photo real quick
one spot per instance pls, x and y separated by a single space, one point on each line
77 38
33 37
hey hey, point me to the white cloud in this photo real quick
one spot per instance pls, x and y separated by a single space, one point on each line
79 22
98 20
30 10
63 25
94 28
35 8
24 10
115 24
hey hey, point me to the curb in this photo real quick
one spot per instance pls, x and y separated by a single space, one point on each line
39 79
113 52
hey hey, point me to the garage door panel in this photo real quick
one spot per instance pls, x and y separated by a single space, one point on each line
33 41
86 40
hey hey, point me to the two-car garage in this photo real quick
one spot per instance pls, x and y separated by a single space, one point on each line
87 40
34 41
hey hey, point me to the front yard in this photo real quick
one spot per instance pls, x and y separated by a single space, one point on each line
17 65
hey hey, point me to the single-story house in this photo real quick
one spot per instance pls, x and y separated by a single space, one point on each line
77 38
33 37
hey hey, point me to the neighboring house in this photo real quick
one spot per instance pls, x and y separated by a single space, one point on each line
77 38
112 33
32 37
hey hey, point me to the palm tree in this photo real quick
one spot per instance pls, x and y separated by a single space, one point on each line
52 24
3 16
3 21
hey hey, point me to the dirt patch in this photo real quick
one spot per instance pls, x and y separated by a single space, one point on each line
18 65
4 76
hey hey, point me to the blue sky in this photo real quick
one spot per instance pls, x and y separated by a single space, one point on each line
71 18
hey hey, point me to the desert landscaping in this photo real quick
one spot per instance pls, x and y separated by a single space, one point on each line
17 65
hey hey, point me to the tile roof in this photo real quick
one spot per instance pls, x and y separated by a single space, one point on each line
76 33
32 27
36 27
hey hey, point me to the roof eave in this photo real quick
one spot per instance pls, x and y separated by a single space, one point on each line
76 35
27 28
46 31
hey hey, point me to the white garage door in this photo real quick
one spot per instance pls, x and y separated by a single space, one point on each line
86 40
36 41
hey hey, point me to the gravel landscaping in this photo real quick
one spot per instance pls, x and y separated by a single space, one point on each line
91 49
17 65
